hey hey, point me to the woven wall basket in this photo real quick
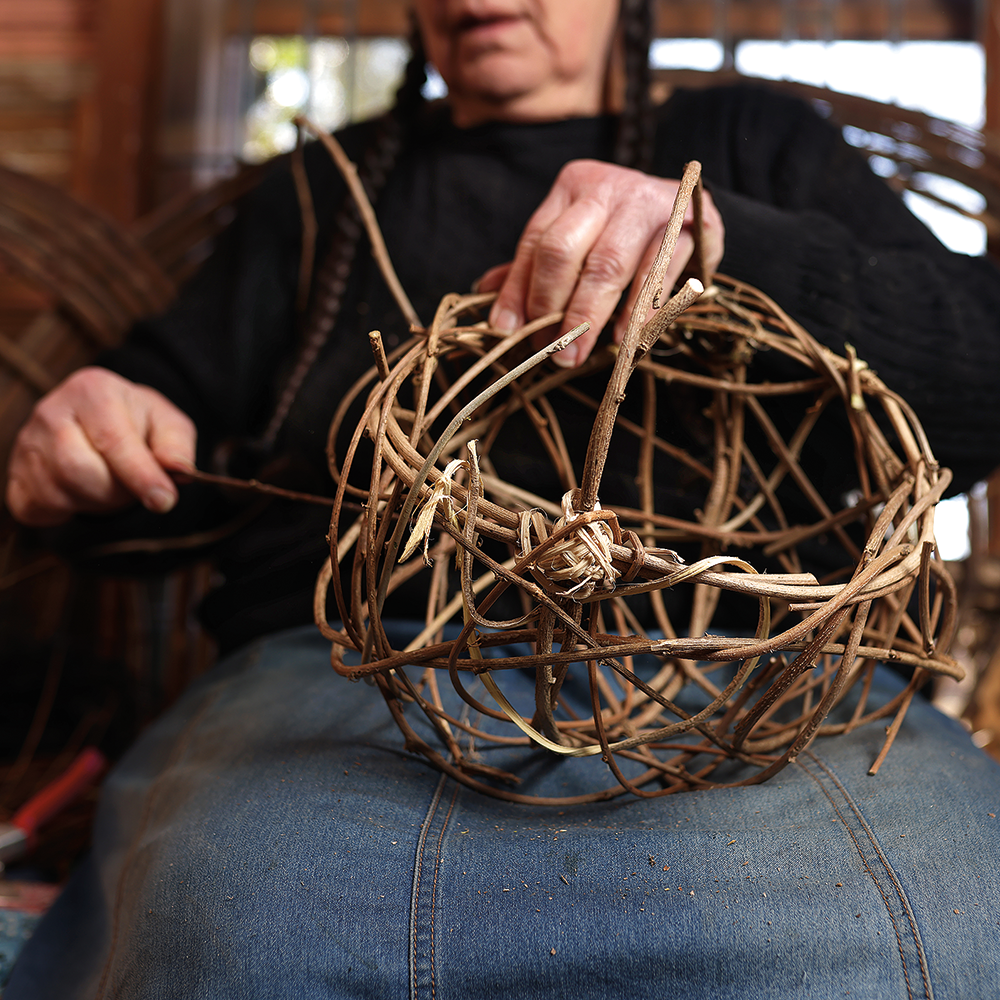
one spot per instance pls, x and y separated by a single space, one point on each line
668 704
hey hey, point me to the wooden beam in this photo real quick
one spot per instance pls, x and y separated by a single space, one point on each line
991 50
368 18
118 127
815 19
857 19
45 15
46 29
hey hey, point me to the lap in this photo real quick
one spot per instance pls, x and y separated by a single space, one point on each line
272 836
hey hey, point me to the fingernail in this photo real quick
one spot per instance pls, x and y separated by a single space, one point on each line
159 500
506 320
566 358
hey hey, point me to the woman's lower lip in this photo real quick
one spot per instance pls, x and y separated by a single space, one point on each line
487 28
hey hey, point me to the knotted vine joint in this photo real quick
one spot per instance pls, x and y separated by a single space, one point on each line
575 559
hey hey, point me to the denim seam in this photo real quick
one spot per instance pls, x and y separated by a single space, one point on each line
180 748
425 831
417 871
890 873
434 881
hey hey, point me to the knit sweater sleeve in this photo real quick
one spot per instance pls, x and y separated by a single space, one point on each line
808 223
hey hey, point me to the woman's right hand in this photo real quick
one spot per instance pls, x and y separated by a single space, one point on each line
595 236
96 443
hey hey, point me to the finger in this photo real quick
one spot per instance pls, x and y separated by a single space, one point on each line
80 472
171 436
54 473
492 279
607 272
509 310
713 234
562 257
37 509
678 263
646 265
118 431
33 498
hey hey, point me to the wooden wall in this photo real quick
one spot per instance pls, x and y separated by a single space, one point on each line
46 71
78 95
77 109
861 19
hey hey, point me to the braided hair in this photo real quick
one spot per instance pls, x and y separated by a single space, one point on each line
634 143
332 274
633 148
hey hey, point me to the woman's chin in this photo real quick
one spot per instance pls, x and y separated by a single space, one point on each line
496 93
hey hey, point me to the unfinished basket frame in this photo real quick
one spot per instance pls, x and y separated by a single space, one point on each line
574 563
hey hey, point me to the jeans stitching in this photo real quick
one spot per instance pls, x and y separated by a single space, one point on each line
417 874
434 881
425 832
890 873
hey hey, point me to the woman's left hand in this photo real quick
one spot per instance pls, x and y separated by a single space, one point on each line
595 235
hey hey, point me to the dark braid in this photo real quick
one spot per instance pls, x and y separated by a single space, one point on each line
634 144
410 96
331 277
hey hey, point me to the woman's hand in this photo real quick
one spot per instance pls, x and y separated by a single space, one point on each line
96 443
596 234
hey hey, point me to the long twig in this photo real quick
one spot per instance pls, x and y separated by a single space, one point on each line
379 252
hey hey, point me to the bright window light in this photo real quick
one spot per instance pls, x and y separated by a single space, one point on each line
686 53
951 528
955 231
944 79
331 80
435 88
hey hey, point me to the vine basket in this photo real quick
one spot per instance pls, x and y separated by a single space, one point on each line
669 704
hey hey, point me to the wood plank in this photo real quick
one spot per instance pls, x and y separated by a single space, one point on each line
37 139
288 17
849 19
52 84
118 126
856 19
47 15
37 116
18 295
991 49
75 46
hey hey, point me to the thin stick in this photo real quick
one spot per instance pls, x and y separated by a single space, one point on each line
379 251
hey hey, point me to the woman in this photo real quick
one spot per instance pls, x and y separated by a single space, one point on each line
270 835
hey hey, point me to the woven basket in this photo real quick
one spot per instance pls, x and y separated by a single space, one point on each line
434 415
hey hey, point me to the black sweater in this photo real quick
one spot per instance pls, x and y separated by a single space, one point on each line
806 222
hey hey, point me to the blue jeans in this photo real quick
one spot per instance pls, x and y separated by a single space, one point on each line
271 837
